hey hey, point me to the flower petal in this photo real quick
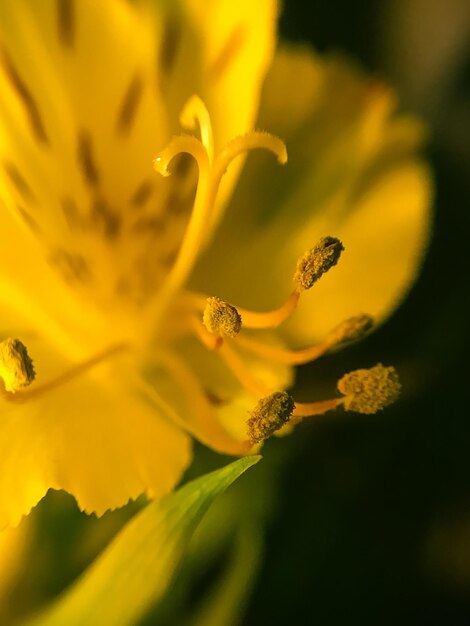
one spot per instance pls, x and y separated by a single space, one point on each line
84 108
80 180
353 173
93 104
92 437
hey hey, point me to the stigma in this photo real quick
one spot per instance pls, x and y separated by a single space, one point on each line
212 167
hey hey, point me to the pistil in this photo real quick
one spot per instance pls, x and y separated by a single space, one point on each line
204 214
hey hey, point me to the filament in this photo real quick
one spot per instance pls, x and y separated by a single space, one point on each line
206 428
64 378
308 409
241 372
253 319
210 341
270 319
282 355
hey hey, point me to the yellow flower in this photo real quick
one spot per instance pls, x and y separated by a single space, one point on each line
105 265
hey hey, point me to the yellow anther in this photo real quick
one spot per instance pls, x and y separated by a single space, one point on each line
314 263
254 319
370 390
351 329
221 318
269 415
7 363
16 366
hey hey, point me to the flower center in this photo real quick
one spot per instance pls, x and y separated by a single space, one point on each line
221 326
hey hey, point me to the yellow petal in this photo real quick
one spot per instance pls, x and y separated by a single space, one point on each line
78 86
79 123
353 173
92 437
33 295
90 91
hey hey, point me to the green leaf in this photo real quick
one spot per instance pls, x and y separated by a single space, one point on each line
226 602
134 571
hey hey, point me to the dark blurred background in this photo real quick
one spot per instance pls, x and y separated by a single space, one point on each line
373 516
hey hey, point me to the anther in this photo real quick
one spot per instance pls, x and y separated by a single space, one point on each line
16 369
314 263
16 366
352 329
221 318
370 390
269 415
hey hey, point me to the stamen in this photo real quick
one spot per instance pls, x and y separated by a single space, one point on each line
252 319
351 329
370 390
66 377
269 415
16 366
317 261
365 391
221 318
243 375
195 115
282 355
310 267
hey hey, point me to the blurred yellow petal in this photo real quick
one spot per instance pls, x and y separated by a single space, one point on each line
353 172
